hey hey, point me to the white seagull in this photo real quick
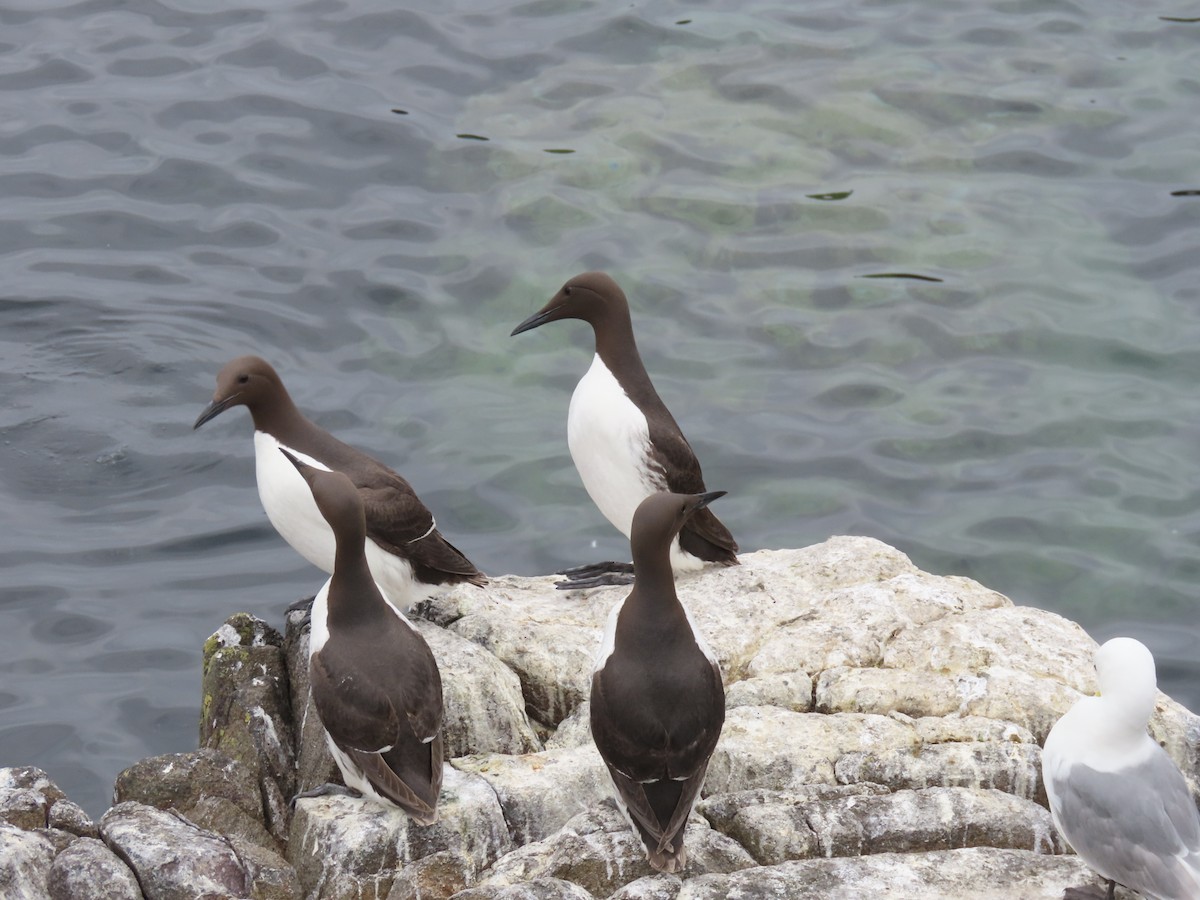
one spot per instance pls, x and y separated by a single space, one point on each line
1115 794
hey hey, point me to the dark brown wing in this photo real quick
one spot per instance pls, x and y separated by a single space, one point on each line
356 713
704 535
380 699
400 523
410 776
660 811
670 743
372 694
397 520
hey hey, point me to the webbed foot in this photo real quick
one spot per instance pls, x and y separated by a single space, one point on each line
595 575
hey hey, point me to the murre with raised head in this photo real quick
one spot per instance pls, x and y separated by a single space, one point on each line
408 556
623 439
374 681
657 701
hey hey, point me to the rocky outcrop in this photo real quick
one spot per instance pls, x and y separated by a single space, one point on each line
882 737
348 848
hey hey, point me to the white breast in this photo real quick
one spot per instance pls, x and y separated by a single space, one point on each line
289 503
609 641
319 621
290 506
698 635
610 443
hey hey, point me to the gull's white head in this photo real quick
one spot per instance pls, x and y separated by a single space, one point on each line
1128 684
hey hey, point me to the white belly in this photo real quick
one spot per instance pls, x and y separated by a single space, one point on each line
610 442
610 445
289 505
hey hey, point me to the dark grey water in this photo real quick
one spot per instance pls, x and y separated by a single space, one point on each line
372 197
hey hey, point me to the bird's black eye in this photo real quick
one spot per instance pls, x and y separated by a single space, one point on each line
566 292
243 379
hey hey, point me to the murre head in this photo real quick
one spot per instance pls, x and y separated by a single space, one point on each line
1128 683
247 381
658 519
337 499
592 296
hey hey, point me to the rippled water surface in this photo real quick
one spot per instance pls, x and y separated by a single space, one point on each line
926 271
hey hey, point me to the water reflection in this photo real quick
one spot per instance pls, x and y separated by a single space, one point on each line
932 269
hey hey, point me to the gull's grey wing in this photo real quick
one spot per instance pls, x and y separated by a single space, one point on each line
1137 826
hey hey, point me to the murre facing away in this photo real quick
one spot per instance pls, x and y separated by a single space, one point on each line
657 702
408 556
623 439
375 683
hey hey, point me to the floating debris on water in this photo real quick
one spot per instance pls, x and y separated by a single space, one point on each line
902 275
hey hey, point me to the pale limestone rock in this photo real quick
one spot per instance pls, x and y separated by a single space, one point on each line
1021 697
973 873
721 809
652 887
1178 730
179 780
1007 766
883 691
172 858
549 638
30 778
787 690
853 625
484 708
540 792
1019 664
599 851
1045 644
573 731
905 821
88 870
59 839
770 599
538 889
930 691
768 747
937 730
345 847
25 859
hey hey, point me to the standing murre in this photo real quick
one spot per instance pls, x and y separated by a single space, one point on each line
1115 794
623 439
408 556
375 683
657 701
